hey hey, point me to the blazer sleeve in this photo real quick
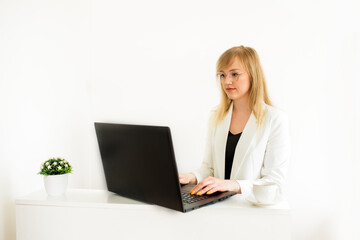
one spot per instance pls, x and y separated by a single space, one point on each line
207 167
276 157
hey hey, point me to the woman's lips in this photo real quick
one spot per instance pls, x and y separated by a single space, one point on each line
230 89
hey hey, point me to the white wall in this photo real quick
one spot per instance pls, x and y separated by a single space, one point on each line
44 95
66 64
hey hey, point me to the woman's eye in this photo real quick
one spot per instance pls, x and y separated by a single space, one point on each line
222 76
235 74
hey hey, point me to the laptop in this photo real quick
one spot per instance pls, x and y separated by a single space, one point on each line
139 163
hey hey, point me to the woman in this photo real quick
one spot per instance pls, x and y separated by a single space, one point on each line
248 139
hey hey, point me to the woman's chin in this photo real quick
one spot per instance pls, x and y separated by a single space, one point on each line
232 96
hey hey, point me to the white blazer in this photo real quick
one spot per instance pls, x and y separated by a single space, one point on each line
262 153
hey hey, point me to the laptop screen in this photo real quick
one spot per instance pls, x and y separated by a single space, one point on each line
139 163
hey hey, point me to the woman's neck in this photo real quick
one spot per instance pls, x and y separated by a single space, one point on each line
241 105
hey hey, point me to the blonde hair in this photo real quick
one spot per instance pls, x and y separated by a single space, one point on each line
258 94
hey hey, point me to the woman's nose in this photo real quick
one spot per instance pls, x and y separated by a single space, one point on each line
228 79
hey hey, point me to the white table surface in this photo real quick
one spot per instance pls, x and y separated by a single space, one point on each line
99 214
106 199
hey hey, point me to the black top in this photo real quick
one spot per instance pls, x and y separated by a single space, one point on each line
230 151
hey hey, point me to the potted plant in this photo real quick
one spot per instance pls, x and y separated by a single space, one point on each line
56 172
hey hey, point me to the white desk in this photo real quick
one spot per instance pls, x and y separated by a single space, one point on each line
97 214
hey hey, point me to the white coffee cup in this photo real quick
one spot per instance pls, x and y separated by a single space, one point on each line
265 192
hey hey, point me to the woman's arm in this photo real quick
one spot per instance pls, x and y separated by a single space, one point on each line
207 184
276 157
278 150
207 167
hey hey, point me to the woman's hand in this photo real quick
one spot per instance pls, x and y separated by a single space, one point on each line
210 185
187 178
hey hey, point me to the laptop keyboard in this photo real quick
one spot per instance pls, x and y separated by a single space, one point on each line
188 198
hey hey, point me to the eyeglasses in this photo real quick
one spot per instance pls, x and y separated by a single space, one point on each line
234 76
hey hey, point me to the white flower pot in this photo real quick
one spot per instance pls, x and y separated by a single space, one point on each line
55 185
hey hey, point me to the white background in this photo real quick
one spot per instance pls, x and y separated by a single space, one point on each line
65 64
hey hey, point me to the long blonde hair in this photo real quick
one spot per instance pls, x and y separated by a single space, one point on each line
258 94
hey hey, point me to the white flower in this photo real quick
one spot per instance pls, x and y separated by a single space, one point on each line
59 168
55 163
61 162
49 167
66 165
47 163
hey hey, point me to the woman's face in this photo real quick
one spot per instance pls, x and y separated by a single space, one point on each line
235 81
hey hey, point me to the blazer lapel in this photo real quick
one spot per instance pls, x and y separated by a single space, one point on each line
244 144
221 140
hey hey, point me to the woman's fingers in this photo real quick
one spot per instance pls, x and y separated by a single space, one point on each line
186 178
215 189
204 183
206 190
183 178
197 188
212 185
183 181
